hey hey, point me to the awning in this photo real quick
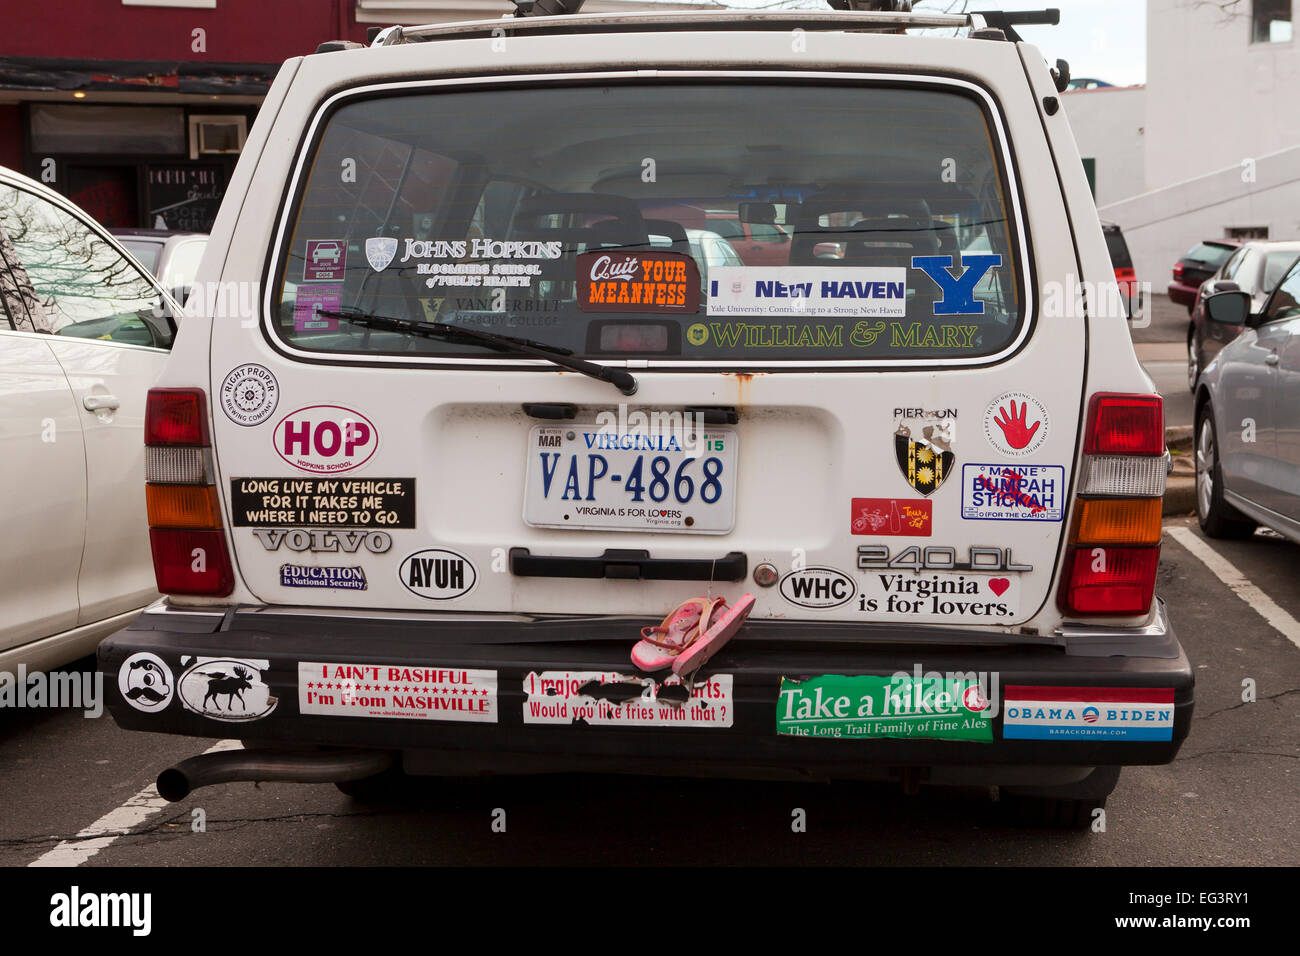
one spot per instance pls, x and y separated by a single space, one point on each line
163 76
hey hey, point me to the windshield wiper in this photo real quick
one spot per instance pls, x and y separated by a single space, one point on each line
554 354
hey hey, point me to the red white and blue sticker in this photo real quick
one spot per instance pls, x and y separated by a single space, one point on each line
1002 492
1088 713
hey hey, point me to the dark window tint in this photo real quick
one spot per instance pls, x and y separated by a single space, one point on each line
1118 249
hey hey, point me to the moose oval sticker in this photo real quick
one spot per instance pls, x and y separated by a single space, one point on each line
226 689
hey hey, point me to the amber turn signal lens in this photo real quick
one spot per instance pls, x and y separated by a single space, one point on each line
182 506
1118 521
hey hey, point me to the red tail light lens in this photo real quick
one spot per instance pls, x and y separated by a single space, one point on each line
188 543
175 416
191 562
1125 425
1178 271
1105 581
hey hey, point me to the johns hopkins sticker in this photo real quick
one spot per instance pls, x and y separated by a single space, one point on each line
146 682
249 394
227 689
1016 424
380 251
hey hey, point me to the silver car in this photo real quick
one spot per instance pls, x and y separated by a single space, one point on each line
1248 417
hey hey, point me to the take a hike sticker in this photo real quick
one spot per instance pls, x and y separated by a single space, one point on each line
935 707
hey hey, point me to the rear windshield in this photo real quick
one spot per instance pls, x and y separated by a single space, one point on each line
1210 254
608 220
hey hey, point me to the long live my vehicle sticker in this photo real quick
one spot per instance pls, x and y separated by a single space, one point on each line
608 699
898 706
386 690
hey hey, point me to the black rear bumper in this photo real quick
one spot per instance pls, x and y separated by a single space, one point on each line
757 660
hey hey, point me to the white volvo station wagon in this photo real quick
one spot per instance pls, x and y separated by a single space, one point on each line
488 422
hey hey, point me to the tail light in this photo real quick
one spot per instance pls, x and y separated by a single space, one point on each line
1114 544
185 530
1178 271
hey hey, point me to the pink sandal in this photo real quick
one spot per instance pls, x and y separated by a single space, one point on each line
724 622
660 645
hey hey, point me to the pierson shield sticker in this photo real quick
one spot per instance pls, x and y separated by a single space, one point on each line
923 447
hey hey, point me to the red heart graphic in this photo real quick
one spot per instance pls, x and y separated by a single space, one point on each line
998 585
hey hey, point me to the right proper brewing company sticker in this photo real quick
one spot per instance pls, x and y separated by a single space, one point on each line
249 394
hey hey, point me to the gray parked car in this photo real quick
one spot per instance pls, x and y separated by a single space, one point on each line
1248 417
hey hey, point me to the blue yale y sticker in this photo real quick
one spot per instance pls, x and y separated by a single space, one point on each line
959 293
310 576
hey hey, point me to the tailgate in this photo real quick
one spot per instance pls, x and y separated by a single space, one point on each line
888 418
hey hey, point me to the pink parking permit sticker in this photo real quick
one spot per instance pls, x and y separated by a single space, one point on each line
325 260
310 300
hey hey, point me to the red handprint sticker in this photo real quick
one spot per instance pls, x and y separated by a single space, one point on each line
1016 424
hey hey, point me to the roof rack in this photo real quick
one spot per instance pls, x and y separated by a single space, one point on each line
642 21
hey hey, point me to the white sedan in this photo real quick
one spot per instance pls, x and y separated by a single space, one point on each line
84 332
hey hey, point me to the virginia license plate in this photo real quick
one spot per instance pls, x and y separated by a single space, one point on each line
592 478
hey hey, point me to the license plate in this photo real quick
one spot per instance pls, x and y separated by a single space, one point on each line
594 479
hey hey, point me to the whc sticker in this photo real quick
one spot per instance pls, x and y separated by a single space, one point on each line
325 439
387 690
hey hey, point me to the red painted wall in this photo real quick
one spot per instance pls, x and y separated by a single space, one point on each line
238 31
11 137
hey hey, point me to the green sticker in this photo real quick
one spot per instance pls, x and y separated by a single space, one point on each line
900 706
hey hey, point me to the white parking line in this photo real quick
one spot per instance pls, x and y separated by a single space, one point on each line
1241 585
114 824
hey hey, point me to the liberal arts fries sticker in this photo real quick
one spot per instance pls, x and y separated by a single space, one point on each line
660 282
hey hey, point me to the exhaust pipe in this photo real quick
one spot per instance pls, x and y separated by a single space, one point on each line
328 766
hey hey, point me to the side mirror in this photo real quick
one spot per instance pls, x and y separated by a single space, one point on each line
1224 285
1230 308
